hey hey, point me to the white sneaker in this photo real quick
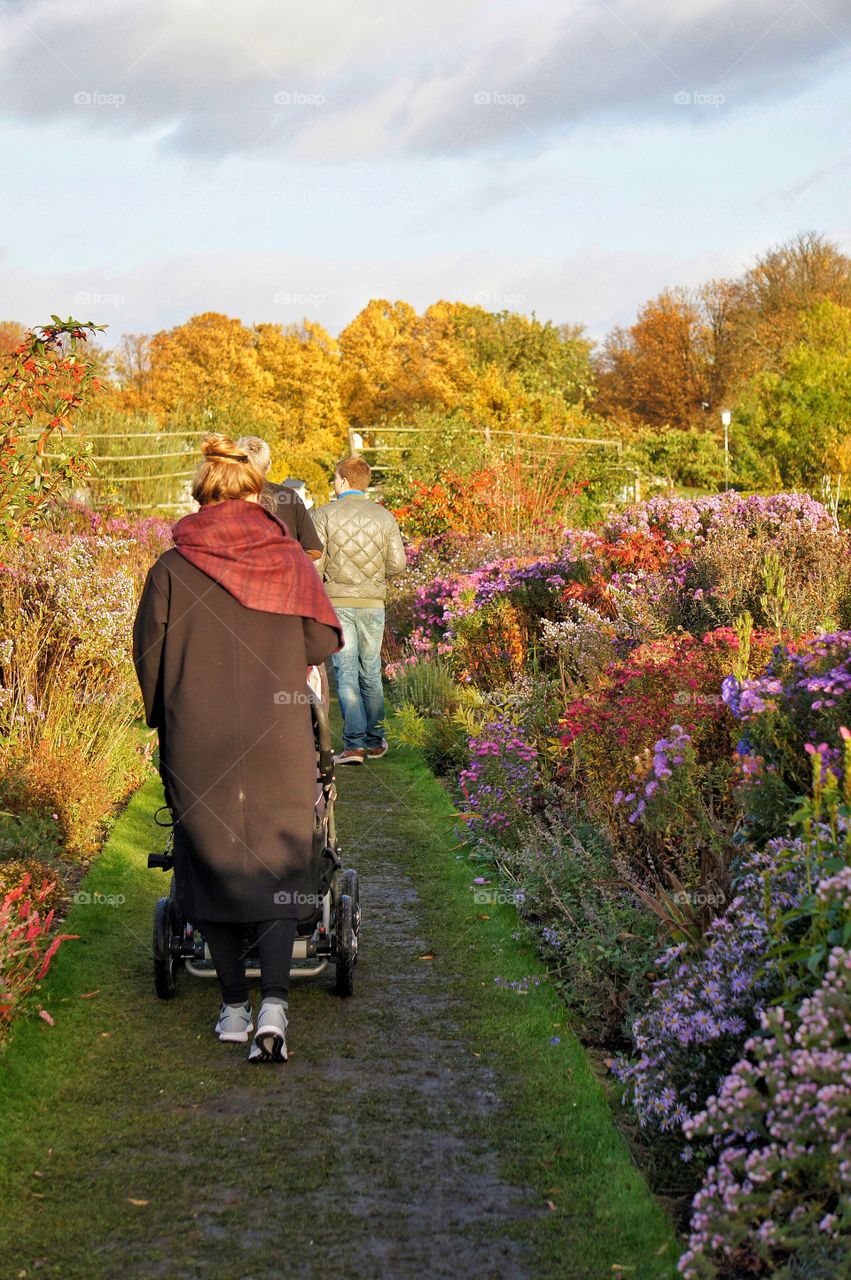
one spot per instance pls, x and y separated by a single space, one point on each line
270 1043
234 1025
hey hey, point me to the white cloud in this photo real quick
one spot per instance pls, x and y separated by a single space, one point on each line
373 78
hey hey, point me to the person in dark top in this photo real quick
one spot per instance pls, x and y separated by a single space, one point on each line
229 620
281 500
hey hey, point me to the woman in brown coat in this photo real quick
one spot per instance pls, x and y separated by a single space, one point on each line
228 623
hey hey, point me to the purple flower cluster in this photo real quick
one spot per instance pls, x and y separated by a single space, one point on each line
520 985
782 1118
88 586
693 520
432 608
755 1089
488 583
699 1013
749 698
819 676
151 531
800 700
553 575
667 754
443 601
682 523
501 776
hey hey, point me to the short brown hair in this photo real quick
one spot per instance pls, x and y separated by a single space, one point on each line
225 472
355 472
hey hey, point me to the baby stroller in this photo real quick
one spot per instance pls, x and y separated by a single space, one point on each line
329 915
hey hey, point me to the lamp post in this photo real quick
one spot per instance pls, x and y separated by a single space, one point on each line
726 419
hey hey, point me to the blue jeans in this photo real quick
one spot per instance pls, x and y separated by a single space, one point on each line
358 670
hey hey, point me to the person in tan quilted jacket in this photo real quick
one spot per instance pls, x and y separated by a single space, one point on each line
363 548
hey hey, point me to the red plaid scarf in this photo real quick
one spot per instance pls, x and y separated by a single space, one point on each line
247 550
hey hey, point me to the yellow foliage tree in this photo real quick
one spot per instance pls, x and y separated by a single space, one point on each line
309 434
302 389
500 368
395 360
210 366
376 354
440 368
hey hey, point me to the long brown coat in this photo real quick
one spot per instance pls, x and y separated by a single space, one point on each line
225 686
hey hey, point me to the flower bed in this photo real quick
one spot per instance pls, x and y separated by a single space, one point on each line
630 723
68 703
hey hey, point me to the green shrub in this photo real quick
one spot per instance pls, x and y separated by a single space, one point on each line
425 685
803 573
441 738
598 938
428 702
691 458
27 836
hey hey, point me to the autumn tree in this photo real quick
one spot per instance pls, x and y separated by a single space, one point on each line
309 432
544 359
131 369
374 349
501 368
689 352
440 369
395 360
11 336
656 371
210 367
751 323
47 381
794 425
721 348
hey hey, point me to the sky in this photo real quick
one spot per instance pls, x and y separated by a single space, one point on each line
275 160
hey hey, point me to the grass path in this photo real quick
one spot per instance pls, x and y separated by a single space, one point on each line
421 1129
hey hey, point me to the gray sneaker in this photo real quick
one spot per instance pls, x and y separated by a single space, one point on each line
234 1025
270 1043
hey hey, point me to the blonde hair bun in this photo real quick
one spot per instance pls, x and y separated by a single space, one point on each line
225 471
218 446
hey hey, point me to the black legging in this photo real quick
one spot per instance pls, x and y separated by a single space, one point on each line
227 943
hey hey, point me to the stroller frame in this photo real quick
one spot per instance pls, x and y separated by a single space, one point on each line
333 929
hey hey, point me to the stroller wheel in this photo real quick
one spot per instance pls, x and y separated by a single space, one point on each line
165 969
346 929
349 885
177 921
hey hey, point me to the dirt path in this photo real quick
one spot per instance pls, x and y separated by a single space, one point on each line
378 1150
